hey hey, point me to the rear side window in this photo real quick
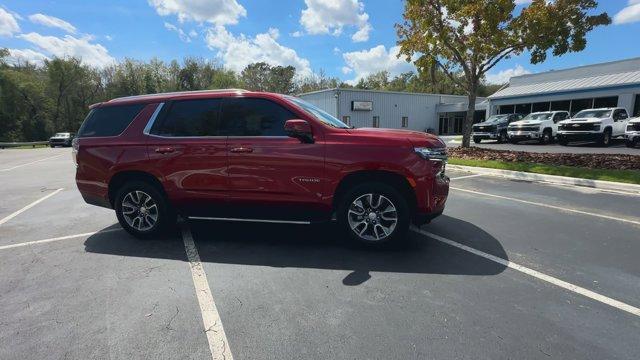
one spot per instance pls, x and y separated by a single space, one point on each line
191 118
254 117
109 120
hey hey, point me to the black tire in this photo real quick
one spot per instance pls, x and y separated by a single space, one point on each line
605 139
346 219
165 219
514 141
563 142
502 138
631 143
477 140
546 137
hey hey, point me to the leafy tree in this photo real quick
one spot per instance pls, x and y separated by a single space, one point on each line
264 77
466 38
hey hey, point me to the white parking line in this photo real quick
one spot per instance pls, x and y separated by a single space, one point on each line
466 176
536 274
44 241
7 218
218 343
549 206
29 163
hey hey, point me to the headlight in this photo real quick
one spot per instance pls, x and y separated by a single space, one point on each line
432 154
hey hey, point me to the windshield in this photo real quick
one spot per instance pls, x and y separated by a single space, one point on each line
539 116
318 113
61 135
496 118
593 114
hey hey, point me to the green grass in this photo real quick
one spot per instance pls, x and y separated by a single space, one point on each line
625 176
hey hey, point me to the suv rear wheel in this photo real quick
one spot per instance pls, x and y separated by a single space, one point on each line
142 210
546 137
605 140
374 214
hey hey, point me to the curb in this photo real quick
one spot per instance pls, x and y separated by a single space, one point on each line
553 179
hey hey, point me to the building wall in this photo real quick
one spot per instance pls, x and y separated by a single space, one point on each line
325 100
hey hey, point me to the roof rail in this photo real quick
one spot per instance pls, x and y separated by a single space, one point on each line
176 93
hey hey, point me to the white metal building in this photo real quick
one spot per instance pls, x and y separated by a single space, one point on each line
608 84
441 114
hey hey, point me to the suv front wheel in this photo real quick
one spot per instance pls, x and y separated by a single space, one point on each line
374 214
142 210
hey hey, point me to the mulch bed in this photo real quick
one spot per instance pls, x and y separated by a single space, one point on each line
591 161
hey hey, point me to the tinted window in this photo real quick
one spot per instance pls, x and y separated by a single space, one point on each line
254 117
191 118
109 120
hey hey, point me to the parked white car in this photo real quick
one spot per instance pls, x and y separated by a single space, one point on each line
600 125
541 126
632 134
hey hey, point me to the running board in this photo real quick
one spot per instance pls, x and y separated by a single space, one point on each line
250 220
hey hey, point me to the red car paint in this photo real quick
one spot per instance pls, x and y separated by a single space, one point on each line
234 173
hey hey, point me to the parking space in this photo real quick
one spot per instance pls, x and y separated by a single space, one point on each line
617 146
511 270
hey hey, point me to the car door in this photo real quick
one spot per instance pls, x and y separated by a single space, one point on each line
557 117
619 121
185 146
271 176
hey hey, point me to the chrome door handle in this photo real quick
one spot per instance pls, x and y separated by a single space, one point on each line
241 149
165 150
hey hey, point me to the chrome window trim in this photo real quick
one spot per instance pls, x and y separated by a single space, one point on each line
152 119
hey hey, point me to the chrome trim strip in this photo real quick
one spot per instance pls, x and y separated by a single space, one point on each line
152 119
251 220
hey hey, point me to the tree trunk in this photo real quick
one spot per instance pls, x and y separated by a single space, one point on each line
471 110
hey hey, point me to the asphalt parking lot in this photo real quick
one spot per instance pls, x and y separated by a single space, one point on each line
617 147
512 270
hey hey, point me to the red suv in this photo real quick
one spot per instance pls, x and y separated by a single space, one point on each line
237 155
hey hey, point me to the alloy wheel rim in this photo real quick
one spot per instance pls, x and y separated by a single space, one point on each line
139 210
373 217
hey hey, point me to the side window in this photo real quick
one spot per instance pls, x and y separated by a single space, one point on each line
559 116
376 121
199 117
254 117
347 120
109 120
405 121
622 114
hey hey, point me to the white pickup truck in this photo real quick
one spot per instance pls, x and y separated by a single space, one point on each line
600 125
632 133
541 126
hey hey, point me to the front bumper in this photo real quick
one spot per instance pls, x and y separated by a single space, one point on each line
483 135
524 135
632 135
579 136
60 142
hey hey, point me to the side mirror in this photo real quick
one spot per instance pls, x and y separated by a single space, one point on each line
299 129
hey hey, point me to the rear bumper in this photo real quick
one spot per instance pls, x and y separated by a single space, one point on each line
59 142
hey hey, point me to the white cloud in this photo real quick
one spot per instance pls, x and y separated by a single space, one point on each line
331 16
69 46
8 23
21 56
503 76
218 12
629 14
183 36
237 52
366 62
336 50
52 21
296 33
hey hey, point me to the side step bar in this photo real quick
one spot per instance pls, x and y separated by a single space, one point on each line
250 220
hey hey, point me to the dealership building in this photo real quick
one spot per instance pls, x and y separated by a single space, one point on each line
601 85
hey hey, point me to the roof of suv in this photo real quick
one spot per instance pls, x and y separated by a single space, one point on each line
159 97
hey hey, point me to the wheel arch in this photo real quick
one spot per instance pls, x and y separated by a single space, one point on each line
394 179
122 177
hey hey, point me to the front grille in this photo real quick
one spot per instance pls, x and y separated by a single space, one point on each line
633 127
579 127
524 128
484 128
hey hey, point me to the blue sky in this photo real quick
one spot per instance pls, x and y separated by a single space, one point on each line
344 38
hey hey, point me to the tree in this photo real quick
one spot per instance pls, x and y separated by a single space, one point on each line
466 38
264 77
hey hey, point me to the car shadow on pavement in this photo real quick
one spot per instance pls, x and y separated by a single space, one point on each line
316 247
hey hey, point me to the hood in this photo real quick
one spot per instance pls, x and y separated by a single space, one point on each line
489 123
527 122
581 120
634 120
417 138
